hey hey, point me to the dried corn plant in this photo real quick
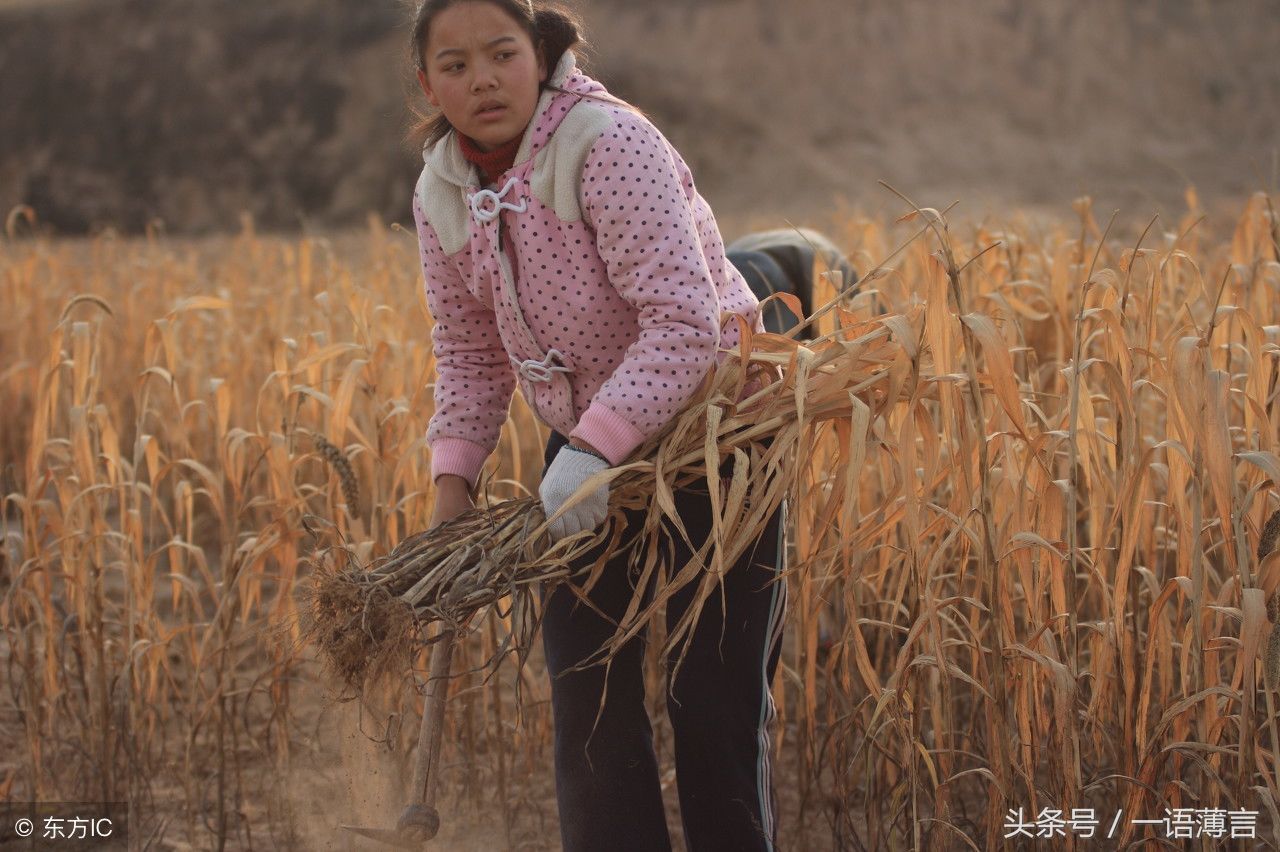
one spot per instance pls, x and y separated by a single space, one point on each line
1029 568
1045 566
179 407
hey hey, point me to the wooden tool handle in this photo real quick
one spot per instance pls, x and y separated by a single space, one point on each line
422 815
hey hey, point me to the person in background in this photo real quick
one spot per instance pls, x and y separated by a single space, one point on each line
783 260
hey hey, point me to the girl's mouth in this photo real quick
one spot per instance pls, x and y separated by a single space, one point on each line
491 113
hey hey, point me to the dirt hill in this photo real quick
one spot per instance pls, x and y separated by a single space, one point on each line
116 113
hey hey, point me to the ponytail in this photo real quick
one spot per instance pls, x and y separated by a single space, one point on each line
557 30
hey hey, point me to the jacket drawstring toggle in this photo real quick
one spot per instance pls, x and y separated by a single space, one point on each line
533 370
485 214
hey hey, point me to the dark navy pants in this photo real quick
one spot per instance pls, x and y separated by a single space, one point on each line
719 705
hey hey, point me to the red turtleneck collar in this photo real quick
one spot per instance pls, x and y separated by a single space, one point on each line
491 163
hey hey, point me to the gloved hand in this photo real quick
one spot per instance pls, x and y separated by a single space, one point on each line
569 469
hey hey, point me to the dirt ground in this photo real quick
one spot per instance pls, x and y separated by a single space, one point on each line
341 775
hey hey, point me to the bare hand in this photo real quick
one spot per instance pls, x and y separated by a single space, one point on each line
453 497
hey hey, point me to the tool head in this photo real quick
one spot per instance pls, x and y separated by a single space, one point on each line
417 825
389 836
419 821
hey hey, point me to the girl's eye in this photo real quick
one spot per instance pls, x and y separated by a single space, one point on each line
456 66
506 54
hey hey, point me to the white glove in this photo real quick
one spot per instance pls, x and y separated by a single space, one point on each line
569 469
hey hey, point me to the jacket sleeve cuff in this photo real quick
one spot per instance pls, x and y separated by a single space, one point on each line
608 432
458 456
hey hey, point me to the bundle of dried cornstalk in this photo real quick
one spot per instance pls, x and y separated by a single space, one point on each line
369 619
365 618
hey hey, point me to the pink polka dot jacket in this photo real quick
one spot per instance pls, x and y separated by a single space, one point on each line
592 273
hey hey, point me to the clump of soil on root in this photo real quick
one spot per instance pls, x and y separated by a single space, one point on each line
361 630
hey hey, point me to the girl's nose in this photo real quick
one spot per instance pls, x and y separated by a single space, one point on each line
484 79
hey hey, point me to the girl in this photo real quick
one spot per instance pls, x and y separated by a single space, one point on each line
565 247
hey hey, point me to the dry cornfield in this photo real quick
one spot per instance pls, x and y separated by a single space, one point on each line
1031 574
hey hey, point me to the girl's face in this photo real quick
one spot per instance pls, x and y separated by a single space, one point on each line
482 72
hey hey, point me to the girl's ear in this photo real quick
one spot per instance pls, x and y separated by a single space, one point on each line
542 65
426 88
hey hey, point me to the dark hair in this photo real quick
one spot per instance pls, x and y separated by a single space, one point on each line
552 29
